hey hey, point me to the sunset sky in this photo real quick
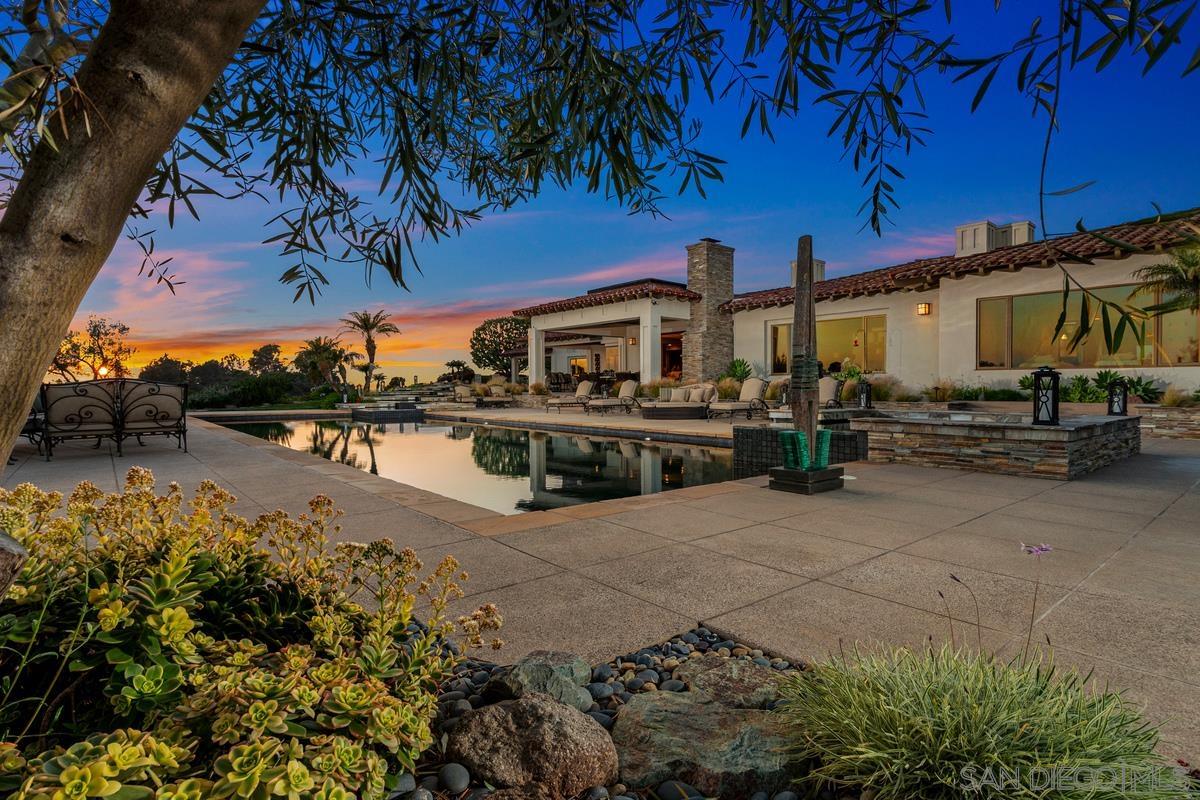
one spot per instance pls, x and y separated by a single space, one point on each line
1135 137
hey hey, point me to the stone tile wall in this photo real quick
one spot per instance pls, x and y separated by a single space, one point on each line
708 342
1169 422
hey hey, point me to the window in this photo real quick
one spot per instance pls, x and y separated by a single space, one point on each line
1179 338
612 358
1018 333
861 341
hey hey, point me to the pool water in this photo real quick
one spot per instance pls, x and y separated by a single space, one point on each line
508 470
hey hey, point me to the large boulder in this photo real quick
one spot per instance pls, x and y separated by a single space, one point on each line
732 682
560 675
534 744
688 736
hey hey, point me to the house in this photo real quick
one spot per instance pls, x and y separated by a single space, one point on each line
985 314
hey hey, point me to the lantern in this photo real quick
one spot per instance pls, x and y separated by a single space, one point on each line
1118 398
1045 396
864 393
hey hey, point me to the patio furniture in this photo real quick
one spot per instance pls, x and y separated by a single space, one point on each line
497 396
115 409
626 400
749 401
582 396
463 394
150 408
684 402
829 392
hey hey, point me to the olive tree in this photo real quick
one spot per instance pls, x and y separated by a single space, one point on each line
456 107
493 337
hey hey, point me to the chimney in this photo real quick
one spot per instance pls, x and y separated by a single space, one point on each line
708 342
818 271
985 236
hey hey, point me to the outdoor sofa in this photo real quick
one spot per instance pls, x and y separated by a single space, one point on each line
749 402
115 409
829 392
626 400
681 402
497 395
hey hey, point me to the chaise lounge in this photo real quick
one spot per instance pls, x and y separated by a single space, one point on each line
626 400
497 396
749 402
581 398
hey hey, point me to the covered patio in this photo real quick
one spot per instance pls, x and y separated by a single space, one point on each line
634 328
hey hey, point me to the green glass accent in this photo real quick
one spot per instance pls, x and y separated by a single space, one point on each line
824 436
787 443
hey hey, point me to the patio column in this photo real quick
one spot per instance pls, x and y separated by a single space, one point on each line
650 469
537 356
514 366
650 344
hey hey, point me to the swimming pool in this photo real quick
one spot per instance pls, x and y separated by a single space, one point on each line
508 470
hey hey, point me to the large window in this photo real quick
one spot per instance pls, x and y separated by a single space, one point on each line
861 341
1018 333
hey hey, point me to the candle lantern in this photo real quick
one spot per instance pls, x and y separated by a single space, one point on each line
1118 398
1045 396
864 393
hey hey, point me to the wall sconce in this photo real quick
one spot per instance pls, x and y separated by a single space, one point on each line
923 309
631 341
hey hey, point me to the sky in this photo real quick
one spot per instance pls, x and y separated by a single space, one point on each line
1134 136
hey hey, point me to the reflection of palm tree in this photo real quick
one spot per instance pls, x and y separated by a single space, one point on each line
1177 279
364 433
335 449
277 432
501 452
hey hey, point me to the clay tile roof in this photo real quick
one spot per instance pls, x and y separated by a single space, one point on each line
1150 234
634 290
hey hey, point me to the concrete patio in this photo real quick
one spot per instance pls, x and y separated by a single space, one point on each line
802 576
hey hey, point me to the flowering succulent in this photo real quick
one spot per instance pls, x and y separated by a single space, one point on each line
298 671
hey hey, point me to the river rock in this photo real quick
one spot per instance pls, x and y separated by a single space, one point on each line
733 682
560 675
688 736
537 744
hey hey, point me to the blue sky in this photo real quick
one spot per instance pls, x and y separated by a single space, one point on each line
1134 136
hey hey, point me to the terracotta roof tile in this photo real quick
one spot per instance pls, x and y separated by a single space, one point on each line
927 272
614 294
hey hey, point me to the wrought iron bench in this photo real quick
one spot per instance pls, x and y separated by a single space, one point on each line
115 409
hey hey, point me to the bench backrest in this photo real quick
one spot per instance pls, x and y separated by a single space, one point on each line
152 406
752 389
81 407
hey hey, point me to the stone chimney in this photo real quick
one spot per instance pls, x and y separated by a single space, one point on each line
985 236
708 342
818 271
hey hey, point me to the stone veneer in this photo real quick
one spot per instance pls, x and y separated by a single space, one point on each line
756 448
1170 422
708 341
1077 446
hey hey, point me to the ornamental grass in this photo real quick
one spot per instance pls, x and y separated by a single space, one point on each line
952 725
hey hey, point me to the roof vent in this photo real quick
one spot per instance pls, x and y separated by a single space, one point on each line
983 237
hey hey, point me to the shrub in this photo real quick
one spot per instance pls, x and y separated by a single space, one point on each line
923 724
538 389
775 390
728 388
1004 394
1079 389
885 387
147 644
1144 389
1177 398
653 388
939 391
516 388
739 369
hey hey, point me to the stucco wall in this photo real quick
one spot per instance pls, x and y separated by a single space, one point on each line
912 341
958 309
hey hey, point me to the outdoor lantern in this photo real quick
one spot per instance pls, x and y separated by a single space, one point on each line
864 393
1118 398
1045 396
631 341
923 309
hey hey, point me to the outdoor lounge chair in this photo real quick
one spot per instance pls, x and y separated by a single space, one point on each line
582 396
150 408
829 392
463 394
497 396
626 400
749 401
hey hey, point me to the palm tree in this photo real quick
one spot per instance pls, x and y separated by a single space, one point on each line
325 358
369 325
1177 280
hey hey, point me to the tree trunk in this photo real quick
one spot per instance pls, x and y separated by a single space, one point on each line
803 388
146 73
